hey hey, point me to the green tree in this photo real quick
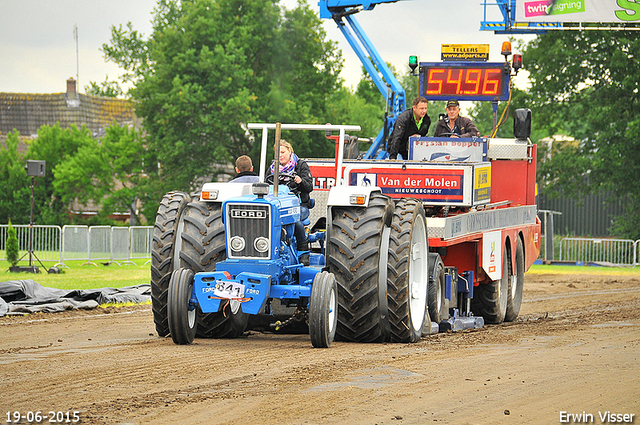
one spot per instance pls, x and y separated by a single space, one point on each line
106 173
13 247
55 146
15 196
105 89
586 84
210 66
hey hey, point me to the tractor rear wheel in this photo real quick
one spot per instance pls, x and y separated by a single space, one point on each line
323 310
516 284
180 314
165 232
203 245
490 299
407 271
436 292
357 255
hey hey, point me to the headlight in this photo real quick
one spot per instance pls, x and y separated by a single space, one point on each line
261 244
237 243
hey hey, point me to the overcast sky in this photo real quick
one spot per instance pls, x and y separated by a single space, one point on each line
38 48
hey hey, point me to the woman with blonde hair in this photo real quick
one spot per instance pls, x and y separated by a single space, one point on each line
295 173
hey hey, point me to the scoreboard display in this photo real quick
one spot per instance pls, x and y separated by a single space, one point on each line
464 81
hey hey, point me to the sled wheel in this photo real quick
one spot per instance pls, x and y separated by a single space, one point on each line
357 255
181 313
490 299
163 246
323 310
436 296
516 284
407 275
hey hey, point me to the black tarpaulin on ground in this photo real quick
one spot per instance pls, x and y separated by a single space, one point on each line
27 296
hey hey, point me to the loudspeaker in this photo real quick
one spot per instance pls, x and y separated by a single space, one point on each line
36 168
522 123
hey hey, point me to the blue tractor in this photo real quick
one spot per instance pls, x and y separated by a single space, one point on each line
228 255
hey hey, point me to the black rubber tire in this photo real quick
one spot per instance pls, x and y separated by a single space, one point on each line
203 245
516 285
181 319
407 271
356 239
490 299
163 245
323 310
436 291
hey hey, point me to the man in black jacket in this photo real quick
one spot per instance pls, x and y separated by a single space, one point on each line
453 125
412 122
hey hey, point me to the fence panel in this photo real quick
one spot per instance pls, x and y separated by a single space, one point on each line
46 242
120 252
75 243
140 245
99 244
614 251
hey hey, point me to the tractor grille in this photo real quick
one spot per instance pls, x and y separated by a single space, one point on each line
249 221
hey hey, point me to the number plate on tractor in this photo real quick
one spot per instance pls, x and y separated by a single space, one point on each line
228 289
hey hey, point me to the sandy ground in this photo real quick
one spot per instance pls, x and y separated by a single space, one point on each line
574 350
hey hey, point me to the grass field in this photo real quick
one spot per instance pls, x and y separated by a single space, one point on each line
79 276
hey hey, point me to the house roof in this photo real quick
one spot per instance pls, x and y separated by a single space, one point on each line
27 112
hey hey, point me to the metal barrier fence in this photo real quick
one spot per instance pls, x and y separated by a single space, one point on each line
46 242
620 252
89 243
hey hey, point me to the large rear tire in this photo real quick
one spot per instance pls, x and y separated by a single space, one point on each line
490 299
436 291
357 256
180 314
407 275
323 310
516 284
165 232
203 245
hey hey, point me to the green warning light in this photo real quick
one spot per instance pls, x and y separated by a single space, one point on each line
413 63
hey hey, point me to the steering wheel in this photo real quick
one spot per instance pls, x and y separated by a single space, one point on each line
284 179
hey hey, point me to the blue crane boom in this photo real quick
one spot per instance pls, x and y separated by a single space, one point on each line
342 11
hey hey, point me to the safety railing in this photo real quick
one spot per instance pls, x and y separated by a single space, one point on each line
91 244
45 245
619 252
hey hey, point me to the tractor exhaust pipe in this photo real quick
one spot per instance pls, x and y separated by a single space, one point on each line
276 166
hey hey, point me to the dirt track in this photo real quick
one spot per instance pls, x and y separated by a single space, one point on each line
575 348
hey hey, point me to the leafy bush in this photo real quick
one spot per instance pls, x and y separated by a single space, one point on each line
13 248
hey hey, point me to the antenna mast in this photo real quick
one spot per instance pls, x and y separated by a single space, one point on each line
75 35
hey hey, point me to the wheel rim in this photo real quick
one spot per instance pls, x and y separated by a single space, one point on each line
333 309
382 275
514 285
191 315
418 273
234 306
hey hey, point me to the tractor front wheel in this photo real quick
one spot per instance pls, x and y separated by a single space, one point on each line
323 310
181 314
